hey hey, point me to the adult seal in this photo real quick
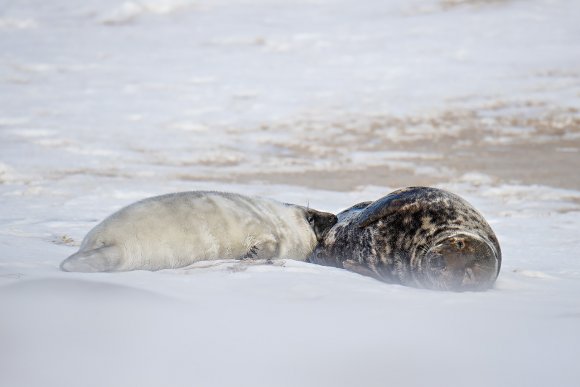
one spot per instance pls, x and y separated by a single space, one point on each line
417 236
178 229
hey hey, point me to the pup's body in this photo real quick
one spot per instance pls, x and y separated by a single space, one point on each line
176 230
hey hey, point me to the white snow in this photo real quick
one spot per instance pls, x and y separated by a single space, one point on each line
103 103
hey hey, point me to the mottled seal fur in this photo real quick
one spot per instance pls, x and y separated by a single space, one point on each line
417 236
176 230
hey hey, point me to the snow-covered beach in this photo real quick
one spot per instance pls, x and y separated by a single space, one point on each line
320 102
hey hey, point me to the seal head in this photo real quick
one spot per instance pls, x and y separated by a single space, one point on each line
320 222
461 261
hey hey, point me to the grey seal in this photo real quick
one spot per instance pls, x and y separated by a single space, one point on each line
417 236
176 230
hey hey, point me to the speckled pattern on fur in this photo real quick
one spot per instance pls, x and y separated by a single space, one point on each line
400 239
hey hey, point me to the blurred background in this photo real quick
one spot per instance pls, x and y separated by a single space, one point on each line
325 93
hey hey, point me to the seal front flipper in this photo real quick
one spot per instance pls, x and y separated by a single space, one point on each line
389 205
104 258
251 254
359 268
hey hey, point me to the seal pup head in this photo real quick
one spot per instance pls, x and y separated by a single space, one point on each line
320 222
460 261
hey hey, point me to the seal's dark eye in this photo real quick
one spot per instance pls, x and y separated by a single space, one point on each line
460 244
310 219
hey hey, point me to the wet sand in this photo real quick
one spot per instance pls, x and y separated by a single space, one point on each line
529 164
497 143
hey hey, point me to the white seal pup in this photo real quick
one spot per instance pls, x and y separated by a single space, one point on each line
176 230
417 236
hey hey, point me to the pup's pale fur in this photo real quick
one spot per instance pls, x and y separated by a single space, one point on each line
176 230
